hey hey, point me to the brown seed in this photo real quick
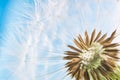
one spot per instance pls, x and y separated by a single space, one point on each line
111 45
93 75
75 60
107 66
111 62
74 48
97 74
78 44
86 38
102 38
109 40
71 65
84 46
113 34
70 57
86 75
112 54
80 38
92 36
71 53
111 50
75 69
98 36
82 72
78 75
103 72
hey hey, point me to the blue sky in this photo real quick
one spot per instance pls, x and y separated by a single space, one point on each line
3 8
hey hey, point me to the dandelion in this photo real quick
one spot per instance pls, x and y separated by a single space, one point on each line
38 43
93 58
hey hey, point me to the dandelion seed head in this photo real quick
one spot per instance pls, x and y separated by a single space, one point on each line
92 55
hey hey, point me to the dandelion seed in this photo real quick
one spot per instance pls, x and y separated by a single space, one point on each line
93 58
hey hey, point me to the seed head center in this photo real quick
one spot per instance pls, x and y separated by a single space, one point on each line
90 55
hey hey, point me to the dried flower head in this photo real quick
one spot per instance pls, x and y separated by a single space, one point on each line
93 58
